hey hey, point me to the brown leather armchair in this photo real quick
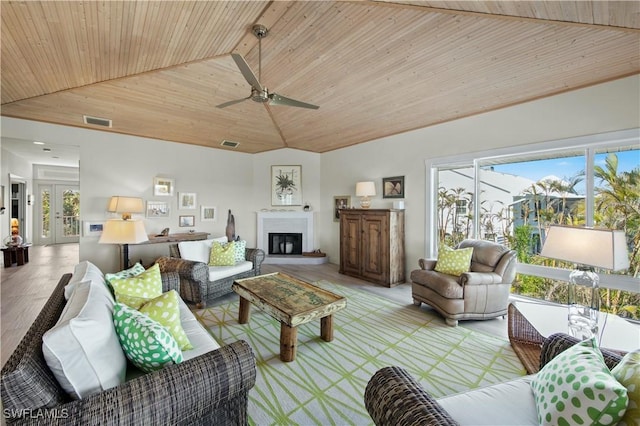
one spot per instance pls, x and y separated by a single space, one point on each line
482 293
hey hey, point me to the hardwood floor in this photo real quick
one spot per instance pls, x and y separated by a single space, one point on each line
25 289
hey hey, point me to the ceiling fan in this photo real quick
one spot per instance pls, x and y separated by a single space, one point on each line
258 92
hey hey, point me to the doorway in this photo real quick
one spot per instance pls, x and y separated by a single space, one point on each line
58 213
17 209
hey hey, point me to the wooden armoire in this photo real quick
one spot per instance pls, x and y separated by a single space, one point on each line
372 245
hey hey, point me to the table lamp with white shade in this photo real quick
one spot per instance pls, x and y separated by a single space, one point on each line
365 190
124 231
125 205
587 248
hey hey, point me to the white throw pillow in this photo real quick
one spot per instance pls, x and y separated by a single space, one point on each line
198 251
84 271
82 349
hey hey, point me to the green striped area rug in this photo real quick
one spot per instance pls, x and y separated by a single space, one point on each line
325 384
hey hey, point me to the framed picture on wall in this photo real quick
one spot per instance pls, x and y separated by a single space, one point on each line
393 187
93 228
208 213
157 209
340 202
186 221
286 185
163 186
187 200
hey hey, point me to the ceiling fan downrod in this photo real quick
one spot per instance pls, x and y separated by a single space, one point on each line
260 31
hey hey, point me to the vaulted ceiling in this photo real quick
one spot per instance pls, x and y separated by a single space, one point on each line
375 68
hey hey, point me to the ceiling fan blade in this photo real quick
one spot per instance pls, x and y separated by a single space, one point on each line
237 101
246 71
281 100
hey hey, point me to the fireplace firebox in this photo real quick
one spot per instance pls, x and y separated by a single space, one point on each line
285 243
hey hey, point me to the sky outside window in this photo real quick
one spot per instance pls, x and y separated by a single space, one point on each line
566 167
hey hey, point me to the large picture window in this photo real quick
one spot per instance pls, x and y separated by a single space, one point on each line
514 197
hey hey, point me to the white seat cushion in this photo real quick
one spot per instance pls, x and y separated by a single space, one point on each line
508 403
82 349
201 340
198 251
218 272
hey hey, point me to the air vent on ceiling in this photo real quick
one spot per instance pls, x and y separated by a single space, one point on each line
97 121
230 144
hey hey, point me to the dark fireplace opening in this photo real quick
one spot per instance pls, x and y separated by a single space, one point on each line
285 243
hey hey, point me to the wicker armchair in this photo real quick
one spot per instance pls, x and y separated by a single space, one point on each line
195 286
394 398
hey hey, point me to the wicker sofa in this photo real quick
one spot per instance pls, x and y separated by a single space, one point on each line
210 388
394 398
200 283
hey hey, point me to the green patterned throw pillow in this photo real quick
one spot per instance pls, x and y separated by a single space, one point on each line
135 291
165 310
147 344
627 372
136 269
223 255
454 262
240 246
577 388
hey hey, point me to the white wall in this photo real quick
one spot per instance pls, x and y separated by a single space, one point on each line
113 164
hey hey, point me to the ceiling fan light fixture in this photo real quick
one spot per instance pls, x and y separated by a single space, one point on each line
260 96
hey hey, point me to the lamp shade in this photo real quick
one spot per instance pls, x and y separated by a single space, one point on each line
120 204
118 231
365 189
601 248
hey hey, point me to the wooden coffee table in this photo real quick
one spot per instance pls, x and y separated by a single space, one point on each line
292 302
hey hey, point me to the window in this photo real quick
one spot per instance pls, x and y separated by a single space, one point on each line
45 200
516 195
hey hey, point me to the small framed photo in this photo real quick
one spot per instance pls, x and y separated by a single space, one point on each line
187 200
157 209
393 187
340 202
93 229
163 186
208 213
186 221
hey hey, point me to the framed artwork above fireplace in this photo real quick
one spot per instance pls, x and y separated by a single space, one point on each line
286 185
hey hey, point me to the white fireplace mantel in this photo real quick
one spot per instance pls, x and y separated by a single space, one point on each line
284 222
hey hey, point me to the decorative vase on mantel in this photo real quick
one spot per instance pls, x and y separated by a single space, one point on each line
286 247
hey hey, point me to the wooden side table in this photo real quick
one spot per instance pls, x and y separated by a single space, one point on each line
15 254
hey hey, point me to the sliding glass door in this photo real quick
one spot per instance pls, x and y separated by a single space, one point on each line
513 198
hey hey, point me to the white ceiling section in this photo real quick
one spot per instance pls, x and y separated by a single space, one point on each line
158 69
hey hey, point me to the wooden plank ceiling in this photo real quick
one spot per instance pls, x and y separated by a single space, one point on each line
158 69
